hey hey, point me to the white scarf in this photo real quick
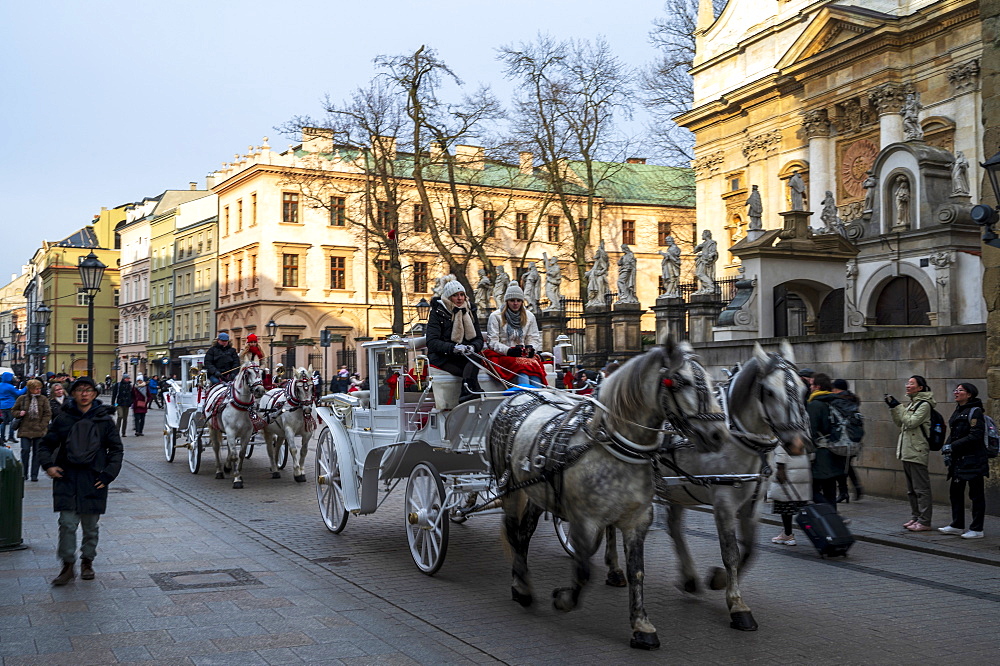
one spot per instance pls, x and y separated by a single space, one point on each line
462 328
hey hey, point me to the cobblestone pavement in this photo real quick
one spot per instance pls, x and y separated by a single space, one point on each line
191 571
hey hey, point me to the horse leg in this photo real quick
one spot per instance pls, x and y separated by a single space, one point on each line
748 531
241 450
675 526
216 438
643 632
585 539
725 521
273 442
519 522
301 460
298 473
616 577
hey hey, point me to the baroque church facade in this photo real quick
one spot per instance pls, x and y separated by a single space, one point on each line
876 105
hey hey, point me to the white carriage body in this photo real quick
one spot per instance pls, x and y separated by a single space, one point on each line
184 396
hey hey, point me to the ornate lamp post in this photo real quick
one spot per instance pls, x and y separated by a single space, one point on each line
3 347
272 330
91 273
43 314
15 337
984 215
423 314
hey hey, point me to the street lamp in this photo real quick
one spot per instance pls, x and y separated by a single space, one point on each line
423 310
43 314
986 216
272 330
3 346
91 273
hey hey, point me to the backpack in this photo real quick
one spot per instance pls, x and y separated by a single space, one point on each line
991 437
936 437
847 431
83 442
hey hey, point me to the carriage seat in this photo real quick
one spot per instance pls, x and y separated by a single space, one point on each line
446 388
364 397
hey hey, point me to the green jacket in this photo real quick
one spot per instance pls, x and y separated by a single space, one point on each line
914 421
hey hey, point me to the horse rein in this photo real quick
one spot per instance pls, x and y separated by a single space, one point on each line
236 402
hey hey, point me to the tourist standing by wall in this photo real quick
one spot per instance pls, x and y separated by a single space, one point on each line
967 461
913 420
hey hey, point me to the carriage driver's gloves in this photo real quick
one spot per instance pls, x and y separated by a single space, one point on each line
516 351
463 349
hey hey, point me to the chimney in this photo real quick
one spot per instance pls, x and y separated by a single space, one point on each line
470 157
317 140
210 181
192 185
527 163
636 160
384 146
436 151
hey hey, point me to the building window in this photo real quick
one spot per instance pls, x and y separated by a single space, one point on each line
338 211
225 280
82 333
253 271
253 214
384 216
239 275
117 296
489 224
419 218
114 334
553 228
384 267
521 227
290 270
81 298
338 273
239 218
225 221
662 233
290 207
628 232
420 277
454 221
208 242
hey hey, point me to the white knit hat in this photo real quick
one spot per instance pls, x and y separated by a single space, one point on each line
451 288
514 291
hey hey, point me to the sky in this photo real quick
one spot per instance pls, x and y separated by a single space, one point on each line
109 101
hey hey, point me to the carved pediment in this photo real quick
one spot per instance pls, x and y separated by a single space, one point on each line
833 25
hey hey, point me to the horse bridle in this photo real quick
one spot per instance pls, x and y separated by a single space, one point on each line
290 398
236 402
791 384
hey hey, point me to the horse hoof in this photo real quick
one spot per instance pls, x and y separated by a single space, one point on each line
562 599
275 475
615 579
300 478
220 475
718 579
690 586
237 485
642 640
524 599
227 469
742 620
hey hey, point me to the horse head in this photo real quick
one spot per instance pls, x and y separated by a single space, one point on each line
251 376
770 385
689 399
300 388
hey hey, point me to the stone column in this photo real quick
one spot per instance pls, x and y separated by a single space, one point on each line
671 318
551 323
703 312
816 125
596 338
626 331
888 100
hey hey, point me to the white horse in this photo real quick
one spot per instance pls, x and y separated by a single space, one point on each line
230 410
289 413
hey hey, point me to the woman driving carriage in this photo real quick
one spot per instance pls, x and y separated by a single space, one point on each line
452 332
511 338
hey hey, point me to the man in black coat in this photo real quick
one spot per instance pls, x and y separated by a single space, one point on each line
967 461
82 454
221 360
121 400
452 333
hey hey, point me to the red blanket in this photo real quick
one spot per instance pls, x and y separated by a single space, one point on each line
509 366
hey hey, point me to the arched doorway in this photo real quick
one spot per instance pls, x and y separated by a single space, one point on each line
902 302
790 313
831 313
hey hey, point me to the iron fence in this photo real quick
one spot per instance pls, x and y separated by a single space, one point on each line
725 289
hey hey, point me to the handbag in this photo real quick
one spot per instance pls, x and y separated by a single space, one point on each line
15 425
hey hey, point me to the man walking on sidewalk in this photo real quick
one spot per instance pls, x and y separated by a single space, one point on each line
82 453
121 399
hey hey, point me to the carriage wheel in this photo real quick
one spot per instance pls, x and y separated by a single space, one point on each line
282 456
194 452
424 519
562 533
169 441
329 494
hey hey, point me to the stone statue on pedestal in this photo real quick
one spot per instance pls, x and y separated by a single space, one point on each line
670 267
960 176
500 286
597 279
902 199
553 278
483 291
626 277
756 207
831 221
870 184
912 131
532 286
704 266
798 191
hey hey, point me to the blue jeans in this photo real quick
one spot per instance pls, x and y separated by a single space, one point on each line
68 522
29 454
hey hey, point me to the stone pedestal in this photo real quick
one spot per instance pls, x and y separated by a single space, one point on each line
551 323
484 318
596 338
626 331
671 318
703 312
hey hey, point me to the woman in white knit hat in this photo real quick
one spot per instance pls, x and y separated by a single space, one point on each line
452 333
512 337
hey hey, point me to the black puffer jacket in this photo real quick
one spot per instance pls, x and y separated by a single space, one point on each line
440 348
967 433
75 491
220 360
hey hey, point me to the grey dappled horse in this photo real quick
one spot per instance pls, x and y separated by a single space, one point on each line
588 462
231 407
289 411
766 401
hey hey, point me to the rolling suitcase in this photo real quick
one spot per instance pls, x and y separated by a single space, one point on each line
826 529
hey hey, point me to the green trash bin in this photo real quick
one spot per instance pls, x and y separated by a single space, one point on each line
11 500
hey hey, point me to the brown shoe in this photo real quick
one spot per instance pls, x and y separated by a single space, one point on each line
66 575
86 569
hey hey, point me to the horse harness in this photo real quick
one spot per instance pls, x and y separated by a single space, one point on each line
250 407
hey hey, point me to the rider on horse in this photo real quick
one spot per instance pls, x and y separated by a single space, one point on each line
221 360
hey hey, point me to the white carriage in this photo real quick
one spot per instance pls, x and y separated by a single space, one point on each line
369 443
184 424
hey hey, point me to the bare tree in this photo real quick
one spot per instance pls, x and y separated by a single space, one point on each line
568 94
667 84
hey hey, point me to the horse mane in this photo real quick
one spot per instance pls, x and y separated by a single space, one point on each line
624 392
740 387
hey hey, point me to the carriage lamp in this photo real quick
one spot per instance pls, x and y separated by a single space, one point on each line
986 216
272 329
395 352
562 350
423 310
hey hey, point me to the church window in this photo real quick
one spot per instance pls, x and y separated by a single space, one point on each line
628 232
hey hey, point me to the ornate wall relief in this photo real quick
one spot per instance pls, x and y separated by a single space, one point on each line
964 77
708 165
853 115
854 159
888 97
761 145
